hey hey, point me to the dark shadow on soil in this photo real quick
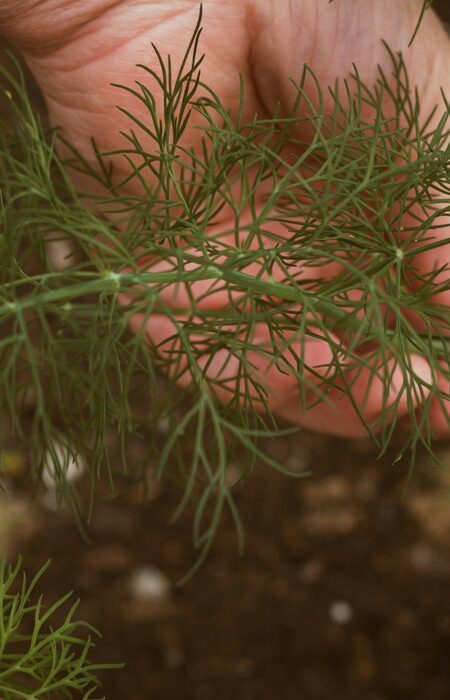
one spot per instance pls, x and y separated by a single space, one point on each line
342 591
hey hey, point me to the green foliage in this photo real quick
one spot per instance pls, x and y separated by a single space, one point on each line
425 6
342 180
44 651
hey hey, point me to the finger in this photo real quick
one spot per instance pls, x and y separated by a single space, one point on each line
269 368
288 35
255 247
429 266
437 409
341 413
376 400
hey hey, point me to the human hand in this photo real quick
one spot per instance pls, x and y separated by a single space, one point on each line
76 49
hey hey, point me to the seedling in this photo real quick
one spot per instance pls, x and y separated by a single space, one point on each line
44 650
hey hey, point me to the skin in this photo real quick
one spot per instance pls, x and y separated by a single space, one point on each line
77 48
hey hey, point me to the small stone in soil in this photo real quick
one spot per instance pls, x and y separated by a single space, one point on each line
341 612
147 584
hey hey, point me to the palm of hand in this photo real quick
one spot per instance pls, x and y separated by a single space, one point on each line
266 42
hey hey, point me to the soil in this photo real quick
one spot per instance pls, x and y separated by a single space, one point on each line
341 592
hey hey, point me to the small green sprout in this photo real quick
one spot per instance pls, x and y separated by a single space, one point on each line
44 650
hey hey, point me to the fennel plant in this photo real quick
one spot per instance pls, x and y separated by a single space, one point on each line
41 655
64 335
343 195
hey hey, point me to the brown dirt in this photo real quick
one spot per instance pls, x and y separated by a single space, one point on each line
342 591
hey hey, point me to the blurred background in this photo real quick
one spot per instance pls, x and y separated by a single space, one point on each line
443 8
342 591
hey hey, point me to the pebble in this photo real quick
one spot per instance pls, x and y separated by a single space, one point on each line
149 585
426 560
330 488
174 658
58 462
163 426
341 612
312 570
432 511
18 521
298 462
59 253
329 520
244 667
110 557
233 476
366 488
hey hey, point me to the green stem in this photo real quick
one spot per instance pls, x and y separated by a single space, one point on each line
110 283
